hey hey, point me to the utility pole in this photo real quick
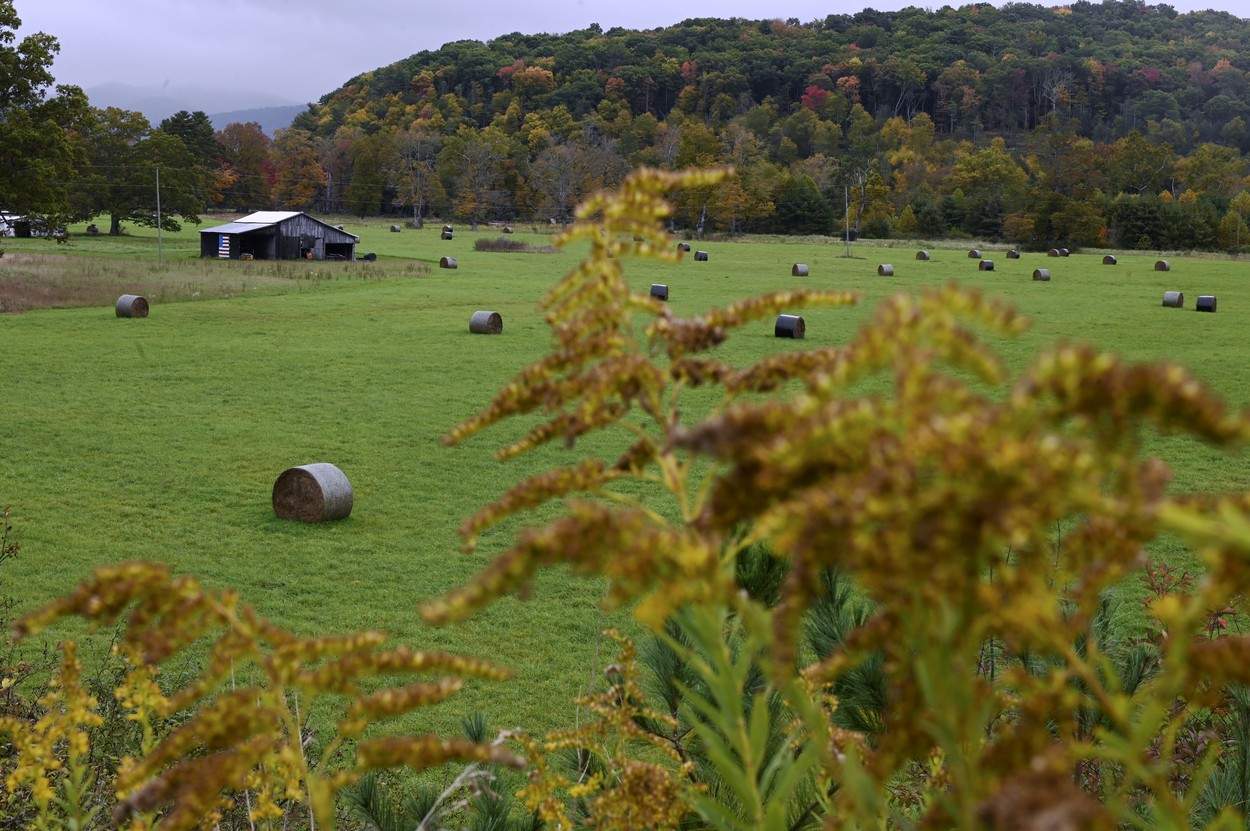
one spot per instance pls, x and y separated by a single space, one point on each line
846 234
160 232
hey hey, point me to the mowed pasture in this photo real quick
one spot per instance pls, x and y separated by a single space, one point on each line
160 439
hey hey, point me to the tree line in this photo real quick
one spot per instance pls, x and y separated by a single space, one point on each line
1116 123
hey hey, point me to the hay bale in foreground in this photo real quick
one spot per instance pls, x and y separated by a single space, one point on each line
132 305
1013 254
974 254
1174 299
700 256
985 265
486 323
799 270
1109 260
1206 303
790 326
448 262
1041 275
312 493
885 270
923 256
1163 265
659 291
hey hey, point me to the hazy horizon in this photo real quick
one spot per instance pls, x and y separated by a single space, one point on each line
308 48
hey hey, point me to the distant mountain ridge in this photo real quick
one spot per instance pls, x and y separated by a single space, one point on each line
159 101
270 119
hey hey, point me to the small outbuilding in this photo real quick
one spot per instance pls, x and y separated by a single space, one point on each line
278 235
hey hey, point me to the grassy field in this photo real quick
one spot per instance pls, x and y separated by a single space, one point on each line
160 439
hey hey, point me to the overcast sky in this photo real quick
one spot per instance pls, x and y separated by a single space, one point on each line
298 50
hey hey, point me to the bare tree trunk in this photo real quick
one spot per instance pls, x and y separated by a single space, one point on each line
115 225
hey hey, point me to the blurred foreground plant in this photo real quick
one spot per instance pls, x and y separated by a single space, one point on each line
233 743
984 523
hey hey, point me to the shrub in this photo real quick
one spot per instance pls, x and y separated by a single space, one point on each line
509 246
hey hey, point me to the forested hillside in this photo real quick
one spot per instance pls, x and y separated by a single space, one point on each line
1077 123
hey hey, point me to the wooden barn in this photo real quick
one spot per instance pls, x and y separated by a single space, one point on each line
278 235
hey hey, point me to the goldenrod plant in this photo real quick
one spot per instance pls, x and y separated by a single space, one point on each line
983 520
235 743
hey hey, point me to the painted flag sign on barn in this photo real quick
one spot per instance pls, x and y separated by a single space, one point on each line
223 246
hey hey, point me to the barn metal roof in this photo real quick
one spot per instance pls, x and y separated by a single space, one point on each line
267 217
236 228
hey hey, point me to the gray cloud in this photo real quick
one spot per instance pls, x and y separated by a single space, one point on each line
297 50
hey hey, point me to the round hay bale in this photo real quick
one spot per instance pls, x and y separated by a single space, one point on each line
395 229
370 257
448 234
1206 303
247 258
923 256
486 323
507 229
1174 299
132 305
885 270
1109 260
1163 265
985 265
683 246
1013 254
1041 275
1054 252
312 493
700 256
659 291
1064 252
448 262
799 270
974 254
790 326
448 229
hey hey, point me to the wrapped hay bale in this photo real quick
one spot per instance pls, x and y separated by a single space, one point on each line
790 326
447 229
395 229
799 270
1206 303
370 257
1013 254
885 270
1054 252
1163 265
448 234
312 493
683 246
448 262
923 256
985 265
659 291
700 256
1109 260
507 229
486 323
1174 299
1064 252
132 305
974 254
1041 275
